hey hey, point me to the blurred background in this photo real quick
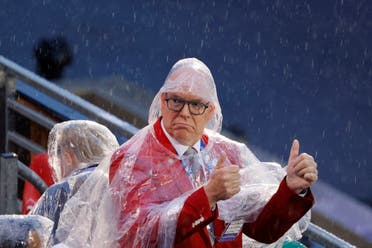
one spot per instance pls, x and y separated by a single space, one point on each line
283 69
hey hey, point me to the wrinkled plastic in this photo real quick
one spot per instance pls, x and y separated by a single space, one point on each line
24 231
140 204
158 218
190 76
75 148
89 218
52 202
86 143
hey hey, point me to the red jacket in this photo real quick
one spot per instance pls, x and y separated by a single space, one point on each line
153 182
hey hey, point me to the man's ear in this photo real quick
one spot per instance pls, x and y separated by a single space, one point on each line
163 96
210 112
162 101
68 157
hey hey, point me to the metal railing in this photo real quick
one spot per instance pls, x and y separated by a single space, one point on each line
317 235
20 91
11 74
11 169
13 71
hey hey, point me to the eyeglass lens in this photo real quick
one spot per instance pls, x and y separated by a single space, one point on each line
195 108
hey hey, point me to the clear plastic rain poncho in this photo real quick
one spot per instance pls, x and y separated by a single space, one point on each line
139 204
76 144
24 231
74 149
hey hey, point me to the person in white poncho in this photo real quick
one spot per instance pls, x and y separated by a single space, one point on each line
75 148
179 183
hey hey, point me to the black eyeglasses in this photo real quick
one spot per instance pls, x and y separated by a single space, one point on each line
195 107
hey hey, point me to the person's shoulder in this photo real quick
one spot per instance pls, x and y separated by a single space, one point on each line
215 137
52 195
62 185
134 144
86 170
119 153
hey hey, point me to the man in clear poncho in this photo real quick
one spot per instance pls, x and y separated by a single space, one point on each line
75 148
179 183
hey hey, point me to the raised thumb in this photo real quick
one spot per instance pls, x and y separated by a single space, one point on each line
295 149
221 162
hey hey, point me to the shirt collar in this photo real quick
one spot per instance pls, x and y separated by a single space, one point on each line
180 149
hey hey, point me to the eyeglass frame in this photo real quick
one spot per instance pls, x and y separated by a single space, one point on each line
183 102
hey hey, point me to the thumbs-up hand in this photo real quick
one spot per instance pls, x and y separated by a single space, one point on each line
224 182
301 170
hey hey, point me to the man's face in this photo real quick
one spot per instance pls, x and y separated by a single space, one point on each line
183 126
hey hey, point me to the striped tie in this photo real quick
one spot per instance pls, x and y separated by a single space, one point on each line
191 162
194 167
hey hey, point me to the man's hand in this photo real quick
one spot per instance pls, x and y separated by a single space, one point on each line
224 182
302 169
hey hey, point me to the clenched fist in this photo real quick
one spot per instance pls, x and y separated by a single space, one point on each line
224 182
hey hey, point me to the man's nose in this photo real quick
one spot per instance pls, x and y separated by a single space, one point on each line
185 110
